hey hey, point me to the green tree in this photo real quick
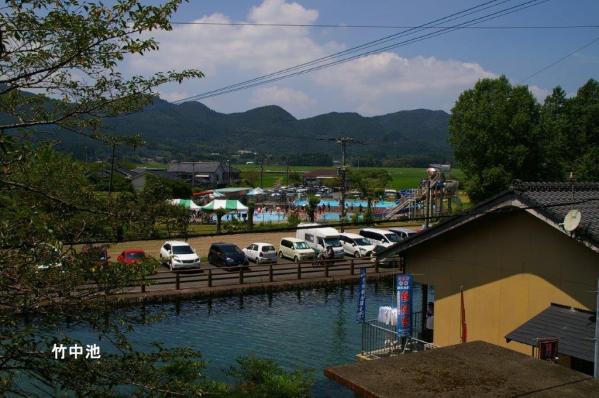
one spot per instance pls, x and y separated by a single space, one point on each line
313 202
260 378
369 182
578 148
493 132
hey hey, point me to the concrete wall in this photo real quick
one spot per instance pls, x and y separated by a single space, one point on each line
511 267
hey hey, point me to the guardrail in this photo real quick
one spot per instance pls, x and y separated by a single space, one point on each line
380 340
230 276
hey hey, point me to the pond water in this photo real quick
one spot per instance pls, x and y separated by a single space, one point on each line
314 328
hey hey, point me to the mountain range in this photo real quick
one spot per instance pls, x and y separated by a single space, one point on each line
193 131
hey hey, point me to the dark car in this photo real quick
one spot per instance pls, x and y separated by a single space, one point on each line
96 253
227 255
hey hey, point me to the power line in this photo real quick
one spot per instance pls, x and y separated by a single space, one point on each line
557 61
301 69
344 52
342 26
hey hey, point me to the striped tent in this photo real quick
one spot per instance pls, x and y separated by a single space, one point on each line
187 203
225 204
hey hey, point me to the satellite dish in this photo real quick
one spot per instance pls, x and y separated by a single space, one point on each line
572 220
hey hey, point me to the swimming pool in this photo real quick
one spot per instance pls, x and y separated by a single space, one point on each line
384 204
312 328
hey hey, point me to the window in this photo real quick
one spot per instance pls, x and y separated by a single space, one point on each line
301 245
309 237
284 243
135 255
182 249
392 237
268 248
167 247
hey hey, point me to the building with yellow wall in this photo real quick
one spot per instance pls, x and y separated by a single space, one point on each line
511 258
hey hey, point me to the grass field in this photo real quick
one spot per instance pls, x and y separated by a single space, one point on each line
401 177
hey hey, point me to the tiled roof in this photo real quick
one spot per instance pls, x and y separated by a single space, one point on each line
552 200
574 328
583 196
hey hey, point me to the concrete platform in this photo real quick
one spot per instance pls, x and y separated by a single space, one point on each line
475 369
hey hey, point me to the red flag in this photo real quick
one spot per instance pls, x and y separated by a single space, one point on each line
464 333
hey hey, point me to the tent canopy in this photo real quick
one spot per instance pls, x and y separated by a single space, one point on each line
225 204
256 191
187 203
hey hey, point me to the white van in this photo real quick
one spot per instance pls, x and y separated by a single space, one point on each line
381 237
296 250
319 237
356 245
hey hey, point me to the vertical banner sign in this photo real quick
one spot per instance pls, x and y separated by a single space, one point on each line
405 287
361 315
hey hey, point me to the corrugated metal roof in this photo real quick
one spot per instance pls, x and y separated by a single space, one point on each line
575 329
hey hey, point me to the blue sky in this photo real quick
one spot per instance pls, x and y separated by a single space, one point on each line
427 74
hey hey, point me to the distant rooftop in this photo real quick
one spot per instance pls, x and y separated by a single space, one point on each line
549 201
465 370
575 329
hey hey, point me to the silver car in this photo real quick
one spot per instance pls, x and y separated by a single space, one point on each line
261 252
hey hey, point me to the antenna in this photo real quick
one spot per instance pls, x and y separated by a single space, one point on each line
572 220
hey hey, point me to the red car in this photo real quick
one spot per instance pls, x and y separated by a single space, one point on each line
131 256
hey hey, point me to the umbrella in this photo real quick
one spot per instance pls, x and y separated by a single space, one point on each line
225 204
187 203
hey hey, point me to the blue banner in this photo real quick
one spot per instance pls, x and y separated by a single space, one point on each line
405 290
361 315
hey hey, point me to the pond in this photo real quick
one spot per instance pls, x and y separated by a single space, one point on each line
314 328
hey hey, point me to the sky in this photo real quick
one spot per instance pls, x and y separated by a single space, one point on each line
426 74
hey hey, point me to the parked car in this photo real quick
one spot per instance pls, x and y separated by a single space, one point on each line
381 237
96 253
320 237
177 254
131 256
261 253
403 233
227 255
49 256
296 250
383 261
356 245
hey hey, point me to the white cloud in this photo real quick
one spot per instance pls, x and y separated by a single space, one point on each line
378 78
539 93
379 83
283 96
255 49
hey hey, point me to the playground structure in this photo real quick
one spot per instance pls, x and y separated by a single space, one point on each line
431 199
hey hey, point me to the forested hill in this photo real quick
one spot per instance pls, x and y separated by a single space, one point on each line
192 130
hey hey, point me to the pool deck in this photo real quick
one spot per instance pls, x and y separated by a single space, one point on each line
248 288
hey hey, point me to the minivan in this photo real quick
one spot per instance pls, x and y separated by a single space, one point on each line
381 237
296 250
356 245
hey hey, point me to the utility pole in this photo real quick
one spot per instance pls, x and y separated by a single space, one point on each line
261 172
287 170
343 141
228 172
428 201
596 368
111 168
